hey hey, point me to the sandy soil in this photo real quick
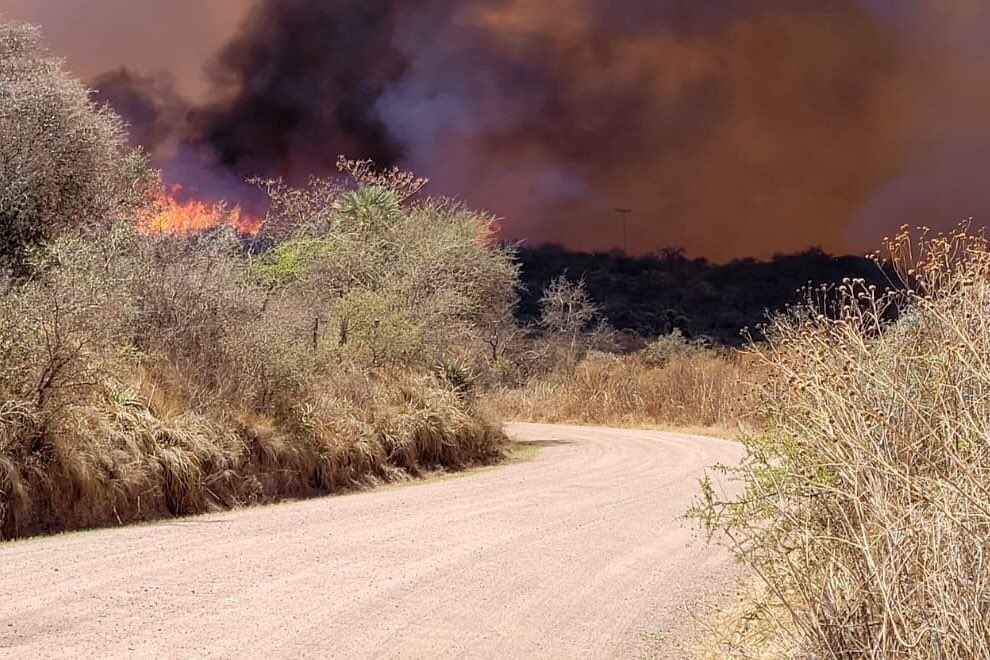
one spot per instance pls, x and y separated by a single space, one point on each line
579 553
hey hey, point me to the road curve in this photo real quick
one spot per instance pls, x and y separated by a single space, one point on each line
579 553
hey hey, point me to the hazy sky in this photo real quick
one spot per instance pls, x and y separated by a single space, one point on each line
771 132
151 36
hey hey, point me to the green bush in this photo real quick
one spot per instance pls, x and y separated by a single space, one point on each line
374 324
670 348
404 280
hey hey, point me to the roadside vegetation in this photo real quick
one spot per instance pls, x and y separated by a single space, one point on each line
671 382
365 332
863 503
146 373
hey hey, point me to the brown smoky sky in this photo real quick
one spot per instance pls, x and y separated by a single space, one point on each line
729 127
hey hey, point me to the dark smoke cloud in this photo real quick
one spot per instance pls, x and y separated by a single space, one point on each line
708 121
730 127
158 119
151 104
743 127
299 85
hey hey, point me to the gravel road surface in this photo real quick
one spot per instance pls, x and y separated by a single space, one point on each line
578 553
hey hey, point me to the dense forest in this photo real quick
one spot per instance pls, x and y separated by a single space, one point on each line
656 294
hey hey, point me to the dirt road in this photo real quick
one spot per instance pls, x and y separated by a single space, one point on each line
578 553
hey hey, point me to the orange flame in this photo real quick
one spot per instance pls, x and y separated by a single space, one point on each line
170 215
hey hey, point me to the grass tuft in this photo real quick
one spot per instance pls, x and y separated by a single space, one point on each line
703 388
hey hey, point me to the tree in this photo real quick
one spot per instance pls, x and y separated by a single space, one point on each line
394 274
566 311
64 161
566 307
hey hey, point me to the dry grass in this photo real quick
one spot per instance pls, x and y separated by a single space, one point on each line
743 628
701 390
122 458
148 374
865 502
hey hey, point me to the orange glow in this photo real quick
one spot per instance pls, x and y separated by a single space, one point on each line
489 234
170 215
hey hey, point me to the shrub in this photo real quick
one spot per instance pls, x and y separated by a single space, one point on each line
571 326
863 504
65 162
375 325
670 348
396 278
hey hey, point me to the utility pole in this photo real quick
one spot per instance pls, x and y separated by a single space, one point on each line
625 217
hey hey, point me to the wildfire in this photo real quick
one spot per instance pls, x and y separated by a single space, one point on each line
172 215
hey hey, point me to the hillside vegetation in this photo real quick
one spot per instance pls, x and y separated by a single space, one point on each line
656 295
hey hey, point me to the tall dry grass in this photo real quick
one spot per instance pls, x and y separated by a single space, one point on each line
697 388
132 453
865 504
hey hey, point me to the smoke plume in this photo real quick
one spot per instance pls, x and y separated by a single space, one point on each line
728 127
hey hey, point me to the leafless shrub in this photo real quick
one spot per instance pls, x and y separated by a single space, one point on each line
864 503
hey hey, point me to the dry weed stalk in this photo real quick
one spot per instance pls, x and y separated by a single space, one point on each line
865 503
